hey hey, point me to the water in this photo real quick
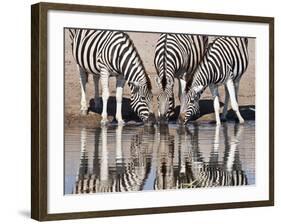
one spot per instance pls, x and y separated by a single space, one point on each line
137 158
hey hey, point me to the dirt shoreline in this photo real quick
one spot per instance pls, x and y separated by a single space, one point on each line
93 119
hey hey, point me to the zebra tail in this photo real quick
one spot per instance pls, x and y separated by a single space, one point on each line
72 33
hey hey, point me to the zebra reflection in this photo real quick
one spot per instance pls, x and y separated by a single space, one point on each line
165 158
122 158
191 170
127 171
216 173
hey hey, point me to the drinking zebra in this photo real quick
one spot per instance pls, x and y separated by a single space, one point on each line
224 63
176 56
112 53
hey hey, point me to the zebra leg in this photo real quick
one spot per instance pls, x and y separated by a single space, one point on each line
97 94
225 107
104 159
234 104
182 85
83 82
180 90
215 94
105 94
236 85
119 96
214 155
119 147
233 147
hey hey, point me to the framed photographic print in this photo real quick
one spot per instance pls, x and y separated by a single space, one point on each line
138 111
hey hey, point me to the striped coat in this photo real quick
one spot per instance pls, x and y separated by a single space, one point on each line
176 56
224 63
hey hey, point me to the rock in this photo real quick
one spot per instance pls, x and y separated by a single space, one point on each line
131 122
207 117
88 121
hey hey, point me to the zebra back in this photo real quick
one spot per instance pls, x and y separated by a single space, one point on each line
178 54
226 58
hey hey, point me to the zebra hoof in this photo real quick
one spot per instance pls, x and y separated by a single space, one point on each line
121 122
104 122
162 120
84 112
223 119
241 122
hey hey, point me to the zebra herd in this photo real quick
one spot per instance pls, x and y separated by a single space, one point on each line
196 63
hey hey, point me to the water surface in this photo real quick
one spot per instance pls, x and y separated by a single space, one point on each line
137 158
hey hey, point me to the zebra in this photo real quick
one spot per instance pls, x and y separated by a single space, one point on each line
99 172
214 173
176 56
181 163
224 63
112 53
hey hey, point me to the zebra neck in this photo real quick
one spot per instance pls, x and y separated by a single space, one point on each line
202 75
139 77
132 69
199 84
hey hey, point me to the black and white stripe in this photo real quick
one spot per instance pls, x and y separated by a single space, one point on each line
112 53
125 171
122 181
224 63
176 56
203 175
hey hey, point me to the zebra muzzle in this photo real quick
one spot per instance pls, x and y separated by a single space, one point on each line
180 120
151 120
162 120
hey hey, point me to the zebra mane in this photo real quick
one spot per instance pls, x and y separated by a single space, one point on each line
164 80
210 45
204 60
149 86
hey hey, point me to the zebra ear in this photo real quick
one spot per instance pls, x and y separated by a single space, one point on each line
169 81
197 92
198 89
136 86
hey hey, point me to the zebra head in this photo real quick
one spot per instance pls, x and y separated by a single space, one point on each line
189 106
141 101
165 98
